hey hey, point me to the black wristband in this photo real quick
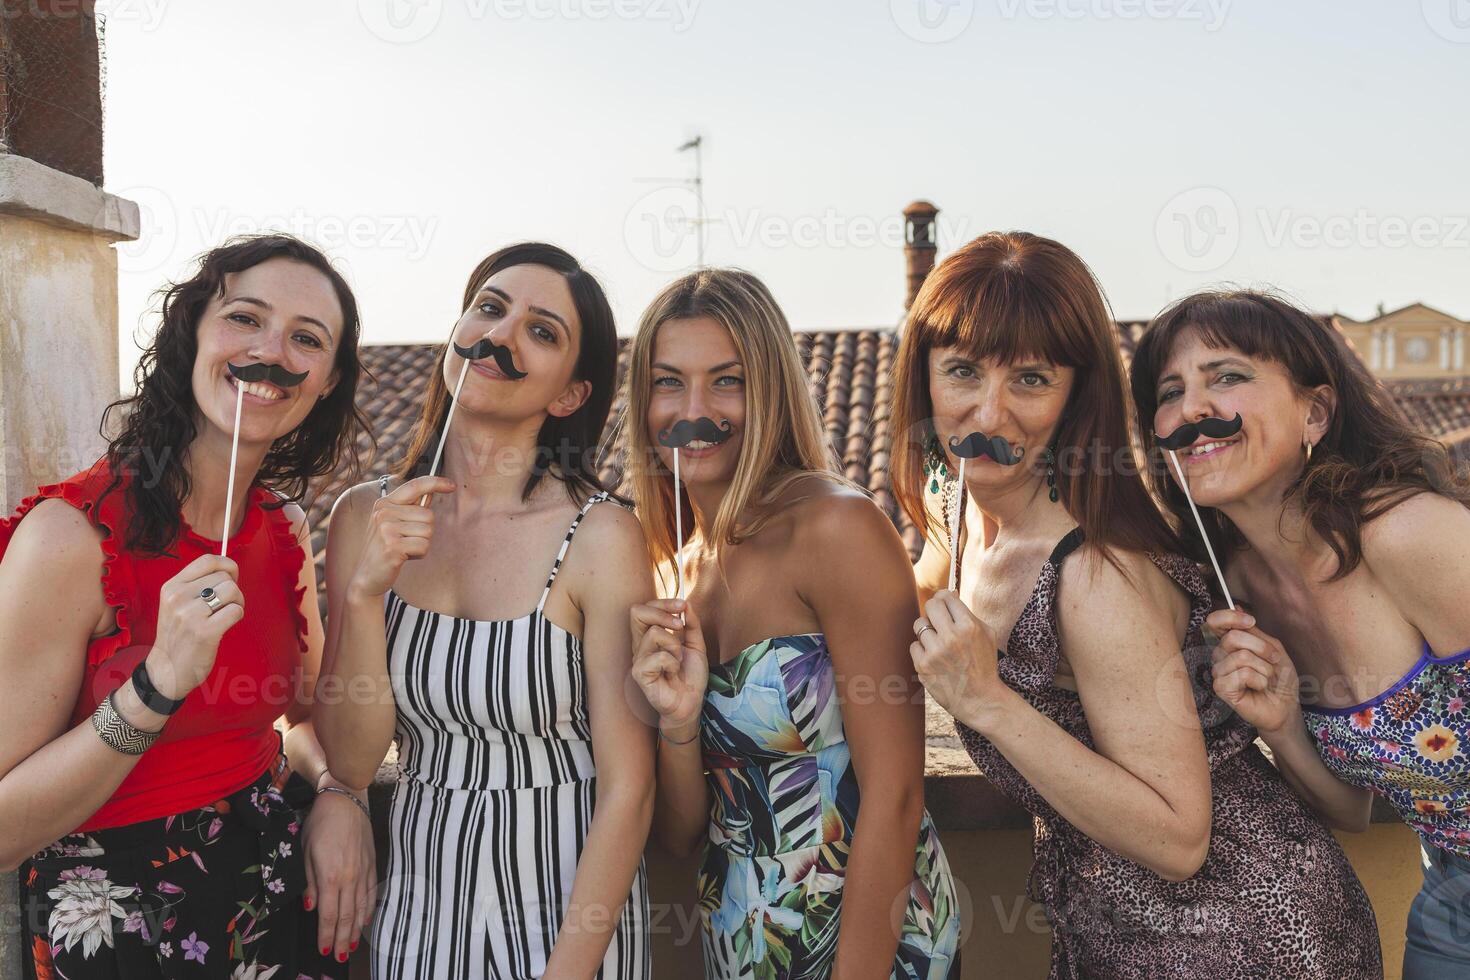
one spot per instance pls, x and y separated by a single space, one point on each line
150 695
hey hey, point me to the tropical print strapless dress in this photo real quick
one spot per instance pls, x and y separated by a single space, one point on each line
784 807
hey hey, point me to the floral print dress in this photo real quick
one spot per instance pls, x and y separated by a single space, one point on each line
1411 745
784 807
213 892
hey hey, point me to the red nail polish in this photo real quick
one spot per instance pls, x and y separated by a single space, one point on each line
341 957
353 947
306 900
326 951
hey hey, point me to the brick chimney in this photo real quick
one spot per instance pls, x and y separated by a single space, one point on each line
919 246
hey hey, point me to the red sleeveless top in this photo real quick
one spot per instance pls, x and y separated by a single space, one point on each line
223 735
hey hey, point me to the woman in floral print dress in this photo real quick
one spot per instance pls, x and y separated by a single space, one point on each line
1071 654
791 737
1345 538
163 826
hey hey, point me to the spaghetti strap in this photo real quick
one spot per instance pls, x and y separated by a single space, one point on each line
566 543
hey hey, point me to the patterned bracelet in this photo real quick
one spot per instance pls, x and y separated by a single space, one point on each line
117 732
350 795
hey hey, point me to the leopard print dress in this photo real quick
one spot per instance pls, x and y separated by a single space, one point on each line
1276 896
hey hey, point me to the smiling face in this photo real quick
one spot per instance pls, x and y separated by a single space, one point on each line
280 312
697 372
1021 402
528 310
1199 381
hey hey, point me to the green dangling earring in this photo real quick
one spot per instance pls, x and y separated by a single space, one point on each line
934 464
1050 458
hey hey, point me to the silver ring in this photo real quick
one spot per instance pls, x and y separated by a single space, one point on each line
921 630
211 599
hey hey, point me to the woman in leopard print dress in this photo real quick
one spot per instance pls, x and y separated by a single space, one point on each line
1166 845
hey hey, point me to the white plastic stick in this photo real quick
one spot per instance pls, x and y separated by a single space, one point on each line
954 530
1184 485
449 417
678 526
224 540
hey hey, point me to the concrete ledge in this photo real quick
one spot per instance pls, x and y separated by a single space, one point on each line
32 190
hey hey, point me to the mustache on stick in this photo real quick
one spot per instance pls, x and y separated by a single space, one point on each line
686 431
272 373
1188 433
978 444
485 347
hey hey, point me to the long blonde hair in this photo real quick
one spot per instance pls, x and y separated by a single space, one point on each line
783 439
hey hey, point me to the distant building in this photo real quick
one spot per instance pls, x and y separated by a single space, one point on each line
1417 342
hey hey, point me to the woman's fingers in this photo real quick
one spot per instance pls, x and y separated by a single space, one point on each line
411 491
309 897
326 917
1244 660
1222 620
660 612
937 610
347 913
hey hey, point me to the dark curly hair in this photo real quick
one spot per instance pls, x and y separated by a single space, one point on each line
1370 457
159 420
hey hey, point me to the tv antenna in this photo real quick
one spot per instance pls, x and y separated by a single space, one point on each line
699 222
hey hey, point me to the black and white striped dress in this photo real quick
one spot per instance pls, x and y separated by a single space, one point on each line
494 803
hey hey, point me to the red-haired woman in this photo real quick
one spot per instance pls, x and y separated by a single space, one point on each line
1347 535
1071 655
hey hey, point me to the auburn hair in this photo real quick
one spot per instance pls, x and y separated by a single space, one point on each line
1014 296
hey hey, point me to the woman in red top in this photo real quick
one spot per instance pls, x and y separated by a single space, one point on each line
161 818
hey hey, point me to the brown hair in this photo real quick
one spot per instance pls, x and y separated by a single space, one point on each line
570 442
783 440
1370 457
161 415
1012 296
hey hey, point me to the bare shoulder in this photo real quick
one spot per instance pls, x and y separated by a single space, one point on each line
609 530
357 502
57 536
841 525
1123 593
1423 527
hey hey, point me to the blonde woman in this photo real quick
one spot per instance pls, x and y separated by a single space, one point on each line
785 674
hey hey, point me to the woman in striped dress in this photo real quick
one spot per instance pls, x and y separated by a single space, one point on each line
510 854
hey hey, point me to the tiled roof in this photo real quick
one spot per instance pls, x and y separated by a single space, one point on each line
849 371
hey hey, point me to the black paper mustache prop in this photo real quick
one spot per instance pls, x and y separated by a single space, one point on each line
978 444
1188 433
249 374
271 373
485 347
478 351
679 435
702 429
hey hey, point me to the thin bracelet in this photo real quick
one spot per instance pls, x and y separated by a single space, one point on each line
665 736
350 795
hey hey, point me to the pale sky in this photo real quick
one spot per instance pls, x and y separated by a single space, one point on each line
1318 146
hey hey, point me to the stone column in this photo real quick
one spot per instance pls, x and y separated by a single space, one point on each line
58 351
58 272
